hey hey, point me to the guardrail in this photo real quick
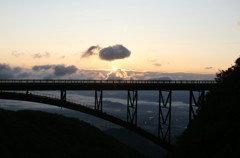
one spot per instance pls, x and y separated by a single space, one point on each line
111 81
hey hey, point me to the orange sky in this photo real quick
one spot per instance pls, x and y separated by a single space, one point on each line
163 36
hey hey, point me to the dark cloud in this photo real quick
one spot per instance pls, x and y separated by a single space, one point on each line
93 50
5 71
109 53
208 68
40 72
17 69
17 54
62 70
57 70
8 72
42 67
41 55
5 67
23 75
114 52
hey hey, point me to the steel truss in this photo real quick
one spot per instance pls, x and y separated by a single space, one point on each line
98 100
63 96
132 107
164 115
195 102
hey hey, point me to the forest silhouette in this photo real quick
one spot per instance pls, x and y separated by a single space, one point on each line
215 130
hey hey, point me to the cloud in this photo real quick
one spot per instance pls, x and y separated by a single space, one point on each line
114 52
8 72
93 50
41 55
162 78
17 54
118 74
208 68
57 70
17 69
109 53
62 70
5 71
42 67
157 64
72 72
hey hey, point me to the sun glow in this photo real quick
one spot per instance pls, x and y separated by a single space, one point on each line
114 69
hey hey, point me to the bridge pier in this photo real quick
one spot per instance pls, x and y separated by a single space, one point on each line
195 102
164 115
98 100
132 107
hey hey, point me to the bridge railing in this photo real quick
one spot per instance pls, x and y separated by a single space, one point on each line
110 81
49 95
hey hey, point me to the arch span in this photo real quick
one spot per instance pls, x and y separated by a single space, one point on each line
84 109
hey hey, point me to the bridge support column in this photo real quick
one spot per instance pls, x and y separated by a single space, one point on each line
164 115
132 107
63 96
98 100
193 101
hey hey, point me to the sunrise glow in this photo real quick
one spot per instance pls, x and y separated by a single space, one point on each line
114 69
144 36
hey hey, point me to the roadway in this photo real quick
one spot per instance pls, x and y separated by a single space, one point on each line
107 84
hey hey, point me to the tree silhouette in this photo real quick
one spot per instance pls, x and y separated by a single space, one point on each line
215 132
231 75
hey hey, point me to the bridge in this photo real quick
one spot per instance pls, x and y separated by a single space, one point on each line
21 90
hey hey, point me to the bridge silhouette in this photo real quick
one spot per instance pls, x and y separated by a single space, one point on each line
22 90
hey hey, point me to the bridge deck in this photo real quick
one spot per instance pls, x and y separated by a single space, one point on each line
107 84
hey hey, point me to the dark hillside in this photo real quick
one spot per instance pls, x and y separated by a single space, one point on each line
216 130
39 134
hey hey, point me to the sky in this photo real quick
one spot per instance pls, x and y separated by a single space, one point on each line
172 36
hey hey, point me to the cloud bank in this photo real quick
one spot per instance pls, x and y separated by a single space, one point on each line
42 67
62 71
6 71
55 71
